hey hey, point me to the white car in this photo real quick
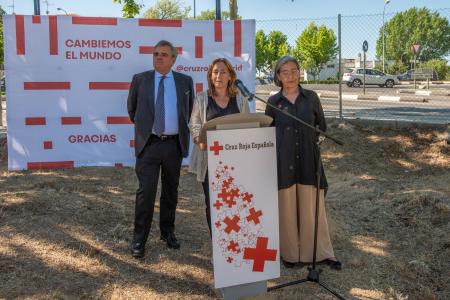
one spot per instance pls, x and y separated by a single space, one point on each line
373 77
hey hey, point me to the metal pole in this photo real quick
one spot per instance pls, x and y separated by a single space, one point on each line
340 67
37 8
218 12
194 9
414 71
364 75
384 8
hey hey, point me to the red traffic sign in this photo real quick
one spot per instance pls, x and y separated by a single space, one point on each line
415 49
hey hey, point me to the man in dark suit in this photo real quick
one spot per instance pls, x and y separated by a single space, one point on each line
160 105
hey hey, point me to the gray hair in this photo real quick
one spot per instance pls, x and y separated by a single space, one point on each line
282 61
169 44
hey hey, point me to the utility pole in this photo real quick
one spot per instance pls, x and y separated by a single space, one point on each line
37 8
218 12
13 8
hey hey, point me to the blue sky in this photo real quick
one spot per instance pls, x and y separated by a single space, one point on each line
362 19
249 9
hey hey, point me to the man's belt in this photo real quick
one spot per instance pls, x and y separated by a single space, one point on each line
165 137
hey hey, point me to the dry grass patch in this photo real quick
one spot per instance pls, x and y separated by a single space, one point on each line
64 234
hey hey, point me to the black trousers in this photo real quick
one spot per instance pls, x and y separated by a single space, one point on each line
157 155
205 185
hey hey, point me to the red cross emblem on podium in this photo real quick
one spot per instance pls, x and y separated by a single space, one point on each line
260 254
254 215
232 224
216 148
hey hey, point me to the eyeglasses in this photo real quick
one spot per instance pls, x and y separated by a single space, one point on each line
286 73
163 54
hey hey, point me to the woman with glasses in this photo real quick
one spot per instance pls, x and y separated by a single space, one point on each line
221 99
297 160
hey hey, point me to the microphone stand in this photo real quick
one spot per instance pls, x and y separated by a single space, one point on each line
313 274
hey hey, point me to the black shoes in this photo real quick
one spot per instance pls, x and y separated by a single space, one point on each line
137 250
334 264
287 264
171 240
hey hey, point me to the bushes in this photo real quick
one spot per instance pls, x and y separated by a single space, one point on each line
439 65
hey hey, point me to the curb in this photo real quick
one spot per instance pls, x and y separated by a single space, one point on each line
417 97
424 93
383 98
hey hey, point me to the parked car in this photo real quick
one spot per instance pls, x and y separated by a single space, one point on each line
373 77
421 74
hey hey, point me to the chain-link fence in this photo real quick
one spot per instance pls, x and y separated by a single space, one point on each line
389 93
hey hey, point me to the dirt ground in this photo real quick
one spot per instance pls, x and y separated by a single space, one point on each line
64 234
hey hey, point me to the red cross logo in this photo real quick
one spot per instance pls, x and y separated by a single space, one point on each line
218 205
224 195
226 184
254 215
233 246
229 260
230 202
216 148
234 193
217 224
232 224
260 254
247 197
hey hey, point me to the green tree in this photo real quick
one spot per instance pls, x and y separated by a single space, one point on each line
130 8
210 14
439 65
414 25
168 9
276 47
2 13
260 49
233 9
314 47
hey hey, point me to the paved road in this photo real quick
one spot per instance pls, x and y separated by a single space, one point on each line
371 89
436 111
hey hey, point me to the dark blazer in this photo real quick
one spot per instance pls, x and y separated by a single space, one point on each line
141 108
297 144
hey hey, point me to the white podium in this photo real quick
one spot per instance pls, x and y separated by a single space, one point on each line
242 170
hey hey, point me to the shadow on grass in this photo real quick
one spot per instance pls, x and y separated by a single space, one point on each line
66 233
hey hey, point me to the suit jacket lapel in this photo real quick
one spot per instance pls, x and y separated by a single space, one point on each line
150 82
180 95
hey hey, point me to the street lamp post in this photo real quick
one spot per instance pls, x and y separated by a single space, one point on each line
62 9
37 7
384 8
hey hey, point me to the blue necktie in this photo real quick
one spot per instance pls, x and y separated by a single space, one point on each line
158 125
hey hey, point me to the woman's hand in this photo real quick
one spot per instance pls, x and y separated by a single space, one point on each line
201 146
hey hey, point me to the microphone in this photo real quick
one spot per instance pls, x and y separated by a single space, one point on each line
245 92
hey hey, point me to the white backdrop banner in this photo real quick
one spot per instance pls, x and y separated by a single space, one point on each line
67 80
244 205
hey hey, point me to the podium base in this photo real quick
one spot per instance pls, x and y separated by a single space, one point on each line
236 292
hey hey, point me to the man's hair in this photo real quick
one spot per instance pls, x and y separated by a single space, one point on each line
169 44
